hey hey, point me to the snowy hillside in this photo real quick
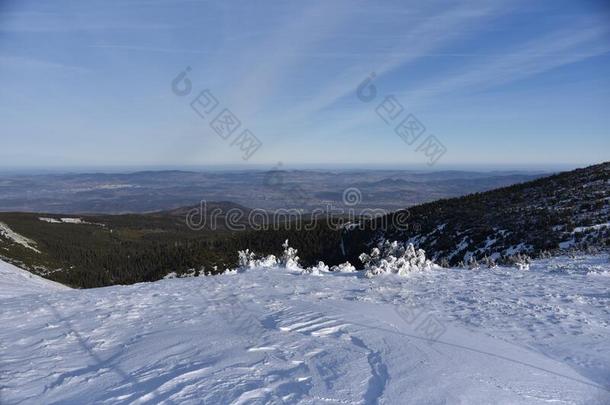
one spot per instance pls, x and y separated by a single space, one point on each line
570 210
15 282
274 335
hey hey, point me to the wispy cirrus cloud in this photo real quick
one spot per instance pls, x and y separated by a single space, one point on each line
155 49
426 36
533 57
280 54
20 62
547 52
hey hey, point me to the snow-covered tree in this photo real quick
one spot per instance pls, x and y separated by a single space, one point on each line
290 260
394 257
248 260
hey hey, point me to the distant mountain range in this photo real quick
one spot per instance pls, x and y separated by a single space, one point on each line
151 191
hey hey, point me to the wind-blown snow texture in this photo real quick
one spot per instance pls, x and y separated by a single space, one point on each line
275 335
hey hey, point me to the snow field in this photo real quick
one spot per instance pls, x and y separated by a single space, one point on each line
275 335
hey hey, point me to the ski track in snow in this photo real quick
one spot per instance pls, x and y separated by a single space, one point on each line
274 336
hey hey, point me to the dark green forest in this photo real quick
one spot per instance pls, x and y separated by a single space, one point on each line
126 249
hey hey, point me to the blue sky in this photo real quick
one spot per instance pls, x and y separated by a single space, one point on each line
499 83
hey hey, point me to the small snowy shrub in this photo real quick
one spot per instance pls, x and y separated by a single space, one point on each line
592 250
489 262
248 260
344 268
473 264
289 260
394 257
316 270
545 254
520 261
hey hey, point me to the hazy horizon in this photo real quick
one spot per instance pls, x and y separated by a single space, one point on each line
125 169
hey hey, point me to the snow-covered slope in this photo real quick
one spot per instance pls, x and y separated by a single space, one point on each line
569 210
15 282
9 234
498 336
